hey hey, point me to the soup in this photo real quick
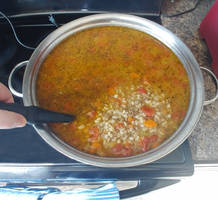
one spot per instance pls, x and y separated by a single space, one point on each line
128 90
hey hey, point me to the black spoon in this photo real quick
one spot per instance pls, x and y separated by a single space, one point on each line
36 115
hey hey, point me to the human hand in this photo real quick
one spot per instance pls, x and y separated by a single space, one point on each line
9 119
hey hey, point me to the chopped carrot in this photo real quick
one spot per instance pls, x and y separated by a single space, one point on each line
111 91
130 119
150 123
149 111
96 145
134 75
141 90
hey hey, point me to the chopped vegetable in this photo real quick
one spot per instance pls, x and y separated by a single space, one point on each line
149 111
130 119
119 125
134 75
72 126
92 114
111 91
145 80
144 143
150 123
96 145
94 132
142 90
117 148
153 138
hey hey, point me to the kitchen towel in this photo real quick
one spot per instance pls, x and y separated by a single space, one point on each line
106 192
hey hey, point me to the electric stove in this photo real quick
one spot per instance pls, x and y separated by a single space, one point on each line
24 156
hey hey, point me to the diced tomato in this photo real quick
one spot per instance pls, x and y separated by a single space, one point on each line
92 50
129 52
178 115
121 150
126 151
67 106
142 90
147 142
72 126
47 85
91 114
177 82
119 125
181 71
135 47
117 148
144 144
153 138
94 132
75 142
149 111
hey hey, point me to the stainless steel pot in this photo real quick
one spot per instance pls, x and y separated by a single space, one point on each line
157 31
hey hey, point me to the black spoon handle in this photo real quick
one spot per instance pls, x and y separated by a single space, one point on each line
35 115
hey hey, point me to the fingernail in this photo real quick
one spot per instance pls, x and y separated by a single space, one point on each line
21 122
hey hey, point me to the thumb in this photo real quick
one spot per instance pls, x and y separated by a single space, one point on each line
11 120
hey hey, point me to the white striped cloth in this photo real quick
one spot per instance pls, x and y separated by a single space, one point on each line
106 192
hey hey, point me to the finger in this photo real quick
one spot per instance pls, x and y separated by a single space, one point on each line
5 94
10 120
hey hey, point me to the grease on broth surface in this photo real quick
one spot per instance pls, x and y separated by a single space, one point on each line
128 91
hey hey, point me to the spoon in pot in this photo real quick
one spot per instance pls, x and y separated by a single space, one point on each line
36 115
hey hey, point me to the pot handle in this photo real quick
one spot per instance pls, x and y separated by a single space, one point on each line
207 102
17 67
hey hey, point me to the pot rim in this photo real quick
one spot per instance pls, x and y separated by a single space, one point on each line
157 31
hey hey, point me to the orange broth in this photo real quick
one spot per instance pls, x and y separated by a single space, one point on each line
128 90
